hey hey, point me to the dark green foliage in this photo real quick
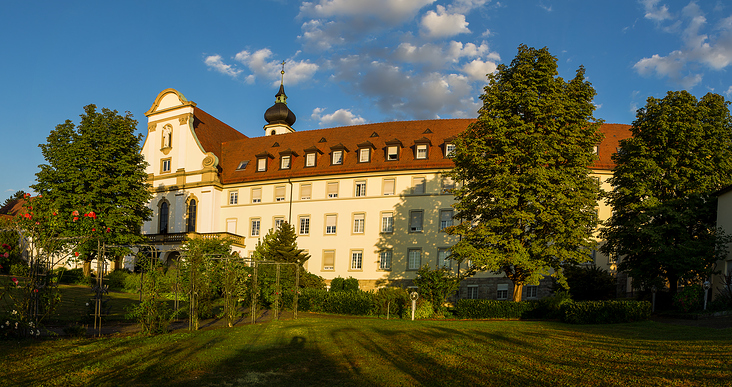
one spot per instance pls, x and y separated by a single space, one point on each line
528 201
479 309
689 299
10 202
436 286
605 312
10 251
589 283
723 299
70 276
663 225
339 284
95 167
551 307
357 302
280 245
116 279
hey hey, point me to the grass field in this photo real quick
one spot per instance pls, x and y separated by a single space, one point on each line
328 350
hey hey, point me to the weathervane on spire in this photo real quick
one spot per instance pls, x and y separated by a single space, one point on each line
282 81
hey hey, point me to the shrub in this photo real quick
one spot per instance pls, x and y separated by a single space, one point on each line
70 276
116 279
550 307
589 283
391 302
605 312
339 284
493 308
690 299
436 285
353 302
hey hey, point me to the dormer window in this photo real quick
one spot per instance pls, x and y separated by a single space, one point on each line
364 151
392 150
262 161
421 151
337 154
310 159
285 162
449 147
364 155
392 153
337 157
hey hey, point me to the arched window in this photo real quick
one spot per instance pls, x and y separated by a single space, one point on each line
164 218
191 216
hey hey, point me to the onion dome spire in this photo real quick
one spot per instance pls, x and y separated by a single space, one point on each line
279 113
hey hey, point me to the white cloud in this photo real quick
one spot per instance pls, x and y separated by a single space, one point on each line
341 117
477 69
261 66
728 93
390 11
465 6
655 12
442 24
685 65
214 62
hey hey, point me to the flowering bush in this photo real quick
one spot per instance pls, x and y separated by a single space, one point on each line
690 299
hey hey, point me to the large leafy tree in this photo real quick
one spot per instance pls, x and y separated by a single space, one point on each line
527 200
663 225
95 170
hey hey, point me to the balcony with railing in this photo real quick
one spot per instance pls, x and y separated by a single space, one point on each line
182 237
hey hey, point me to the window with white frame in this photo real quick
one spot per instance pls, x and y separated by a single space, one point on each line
330 224
449 150
360 188
448 184
280 193
387 222
285 162
421 152
165 165
392 153
278 221
304 225
532 291
261 164
233 197
364 155
472 292
414 259
418 185
256 225
359 221
445 219
385 260
356 259
337 157
256 195
416 218
442 257
333 189
388 187
502 292
305 191
328 260
310 159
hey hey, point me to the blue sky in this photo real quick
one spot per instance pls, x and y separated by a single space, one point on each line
348 61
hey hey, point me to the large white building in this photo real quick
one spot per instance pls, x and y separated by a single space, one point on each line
367 201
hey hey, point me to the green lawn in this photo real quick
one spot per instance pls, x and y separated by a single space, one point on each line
328 350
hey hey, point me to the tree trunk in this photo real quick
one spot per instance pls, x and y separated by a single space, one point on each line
117 265
87 268
518 290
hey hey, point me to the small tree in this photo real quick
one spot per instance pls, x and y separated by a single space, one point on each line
436 285
526 199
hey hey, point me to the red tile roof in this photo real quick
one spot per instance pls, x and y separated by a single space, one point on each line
212 133
434 133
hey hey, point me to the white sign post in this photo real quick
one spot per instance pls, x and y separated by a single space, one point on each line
414 297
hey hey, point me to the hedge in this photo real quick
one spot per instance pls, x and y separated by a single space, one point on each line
493 309
605 312
355 302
